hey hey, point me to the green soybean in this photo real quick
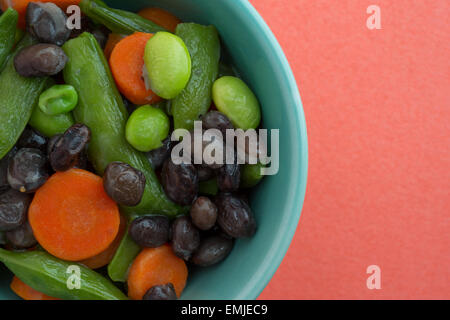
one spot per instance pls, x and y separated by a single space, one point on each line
235 99
8 23
50 125
146 128
195 100
168 64
50 275
18 95
251 175
116 20
58 99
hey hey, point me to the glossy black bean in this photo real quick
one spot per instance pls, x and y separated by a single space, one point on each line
229 177
39 60
185 237
47 22
216 120
235 216
161 292
203 213
51 143
212 250
13 209
22 237
67 150
150 231
4 162
158 156
30 138
123 183
180 182
27 170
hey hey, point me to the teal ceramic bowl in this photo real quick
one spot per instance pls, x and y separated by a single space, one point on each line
277 201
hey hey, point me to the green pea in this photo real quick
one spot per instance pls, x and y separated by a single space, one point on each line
146 128
235 99
251 175
58 99
50 125
168 64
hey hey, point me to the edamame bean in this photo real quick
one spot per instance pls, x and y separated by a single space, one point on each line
251 175
235 99
58 99
168 64
50 125
146 128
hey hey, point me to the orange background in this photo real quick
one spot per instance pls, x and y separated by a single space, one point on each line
377 105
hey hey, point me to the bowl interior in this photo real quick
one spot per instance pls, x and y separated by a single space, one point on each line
278 199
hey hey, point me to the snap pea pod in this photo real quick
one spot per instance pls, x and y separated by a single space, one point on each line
101 108
19 96
8 23
118 21
50 275
204 47
124 256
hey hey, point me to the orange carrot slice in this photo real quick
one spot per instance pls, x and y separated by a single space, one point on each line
105 257
26 292
127 62
161 17
72 217
156 266
21 6
113 39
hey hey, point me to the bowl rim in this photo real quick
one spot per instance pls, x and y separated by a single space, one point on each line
258 285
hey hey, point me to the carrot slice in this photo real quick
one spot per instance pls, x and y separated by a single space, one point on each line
127 62
72 217
21 6
26 292
156 266
105 257
113 39
161 17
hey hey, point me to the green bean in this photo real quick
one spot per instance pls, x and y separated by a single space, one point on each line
8 23
118 21
50 275
19 95
204 47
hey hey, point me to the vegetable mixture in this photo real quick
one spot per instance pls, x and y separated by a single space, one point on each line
87 182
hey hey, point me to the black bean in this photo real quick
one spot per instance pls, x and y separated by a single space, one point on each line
216 120
204 173
51 143
13 209
4 162
30 138
67 150
39 60
185 237
22 237
229 177
158 156
235 216
203 213
150 231
47 22
123 183
27 170
161 292
212 250
180 182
